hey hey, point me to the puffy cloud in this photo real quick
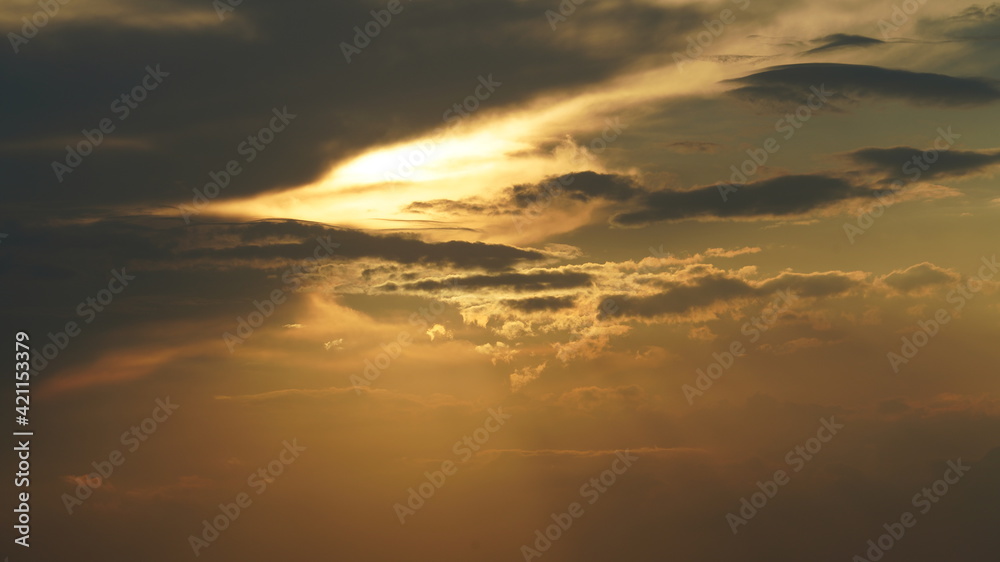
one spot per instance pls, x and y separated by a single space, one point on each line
702 333
919 278
438 331
521 377
497 352
712 291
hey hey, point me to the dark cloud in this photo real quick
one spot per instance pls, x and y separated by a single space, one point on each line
472 206
578 186
225 79
838 40
904 161
974 23
219 244
541 304
693 147
582 186
678 299
738 59
791 84
195 270
810 284
919 277
532 281
786 195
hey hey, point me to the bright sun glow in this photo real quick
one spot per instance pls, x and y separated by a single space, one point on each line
477 157
427 159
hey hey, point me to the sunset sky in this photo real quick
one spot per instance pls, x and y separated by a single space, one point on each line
501 280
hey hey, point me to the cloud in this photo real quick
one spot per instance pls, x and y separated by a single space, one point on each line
715 290
839 40
531 281
541 304
438 331
798 344
702 333
159 17
521 377
724 253
682 298
781 196
196 121
919 277
813 284
497 352
693 147
337 344
164 243
900 162
589 343
578 186
514 329
790 84
975 23
531 197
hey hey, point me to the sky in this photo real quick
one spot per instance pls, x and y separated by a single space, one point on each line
499 280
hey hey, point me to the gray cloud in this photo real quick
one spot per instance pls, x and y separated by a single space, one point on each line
839 40
579 186
918 277
532 281
903 161
781 196
540 304
693 147
201 269
678 299
225 79
790 84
